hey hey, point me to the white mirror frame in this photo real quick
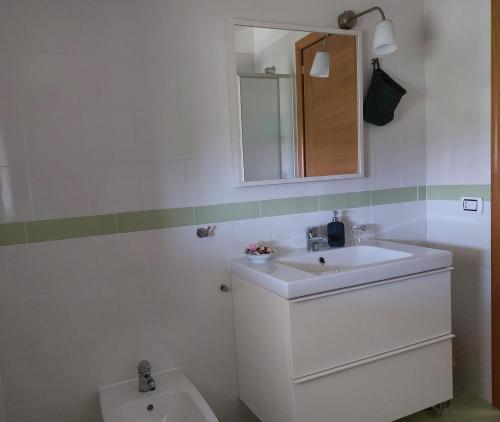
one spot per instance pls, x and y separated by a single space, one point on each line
237 144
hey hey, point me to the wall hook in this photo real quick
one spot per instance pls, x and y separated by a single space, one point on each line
203 232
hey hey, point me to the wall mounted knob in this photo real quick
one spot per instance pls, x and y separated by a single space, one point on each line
224 288
203 232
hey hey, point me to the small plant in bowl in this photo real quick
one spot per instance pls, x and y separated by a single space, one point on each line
258 254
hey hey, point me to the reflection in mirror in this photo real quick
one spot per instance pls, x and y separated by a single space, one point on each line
293 125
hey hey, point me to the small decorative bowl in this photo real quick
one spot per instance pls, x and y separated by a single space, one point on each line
260 259
258 254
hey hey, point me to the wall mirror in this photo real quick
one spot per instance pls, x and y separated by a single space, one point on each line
289 126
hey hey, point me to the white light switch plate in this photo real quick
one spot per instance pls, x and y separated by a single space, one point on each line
472 205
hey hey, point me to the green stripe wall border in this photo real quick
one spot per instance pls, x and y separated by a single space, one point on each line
70 228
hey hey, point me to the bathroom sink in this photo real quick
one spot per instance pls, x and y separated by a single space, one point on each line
300 273
342 259
175 400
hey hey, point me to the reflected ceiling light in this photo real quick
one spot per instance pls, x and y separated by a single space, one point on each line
384 41
321 64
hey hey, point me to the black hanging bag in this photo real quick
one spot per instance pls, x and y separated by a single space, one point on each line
383 97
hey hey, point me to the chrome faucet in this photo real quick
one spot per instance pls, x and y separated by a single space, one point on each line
146 381
315 237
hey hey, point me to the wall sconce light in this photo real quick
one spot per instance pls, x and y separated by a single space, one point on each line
384 41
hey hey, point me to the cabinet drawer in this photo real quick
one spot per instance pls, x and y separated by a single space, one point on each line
388 387
333 330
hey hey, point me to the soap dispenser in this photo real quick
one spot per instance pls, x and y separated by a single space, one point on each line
336 232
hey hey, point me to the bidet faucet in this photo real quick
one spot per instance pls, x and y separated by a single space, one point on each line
146 381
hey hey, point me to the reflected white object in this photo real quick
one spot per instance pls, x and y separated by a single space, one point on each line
384 41
321 65
301 273
175 399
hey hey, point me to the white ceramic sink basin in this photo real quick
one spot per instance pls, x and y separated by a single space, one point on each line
301 273
175 400
342 259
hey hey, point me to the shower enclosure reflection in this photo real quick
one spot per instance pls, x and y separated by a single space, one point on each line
290 125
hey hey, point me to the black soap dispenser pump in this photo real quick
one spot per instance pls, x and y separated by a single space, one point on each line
336 232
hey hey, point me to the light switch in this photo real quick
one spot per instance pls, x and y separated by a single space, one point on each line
472 205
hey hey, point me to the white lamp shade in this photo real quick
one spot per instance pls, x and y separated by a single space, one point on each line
321 65
384 42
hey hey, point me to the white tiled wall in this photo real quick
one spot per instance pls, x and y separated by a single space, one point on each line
79 314
118 105
122 105
457 40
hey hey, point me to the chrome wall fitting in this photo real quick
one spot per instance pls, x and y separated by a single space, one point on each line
203 232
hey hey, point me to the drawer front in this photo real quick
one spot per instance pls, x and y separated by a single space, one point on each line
382 390
337 329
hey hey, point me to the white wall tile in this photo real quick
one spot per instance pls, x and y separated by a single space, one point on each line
113 188
34 368
123 351
15 197
65 265
288 231
73 316
388 222
108 136
53 135
22 326
46 411
48 80
58 191
106 81
125 305
75 367
458 106
19 274
12 140
158 133
162 185
414 226
169 251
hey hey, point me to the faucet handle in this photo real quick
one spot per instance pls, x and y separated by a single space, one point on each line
313 231
144 367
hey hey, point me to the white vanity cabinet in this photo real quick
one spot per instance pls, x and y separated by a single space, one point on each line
374 352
